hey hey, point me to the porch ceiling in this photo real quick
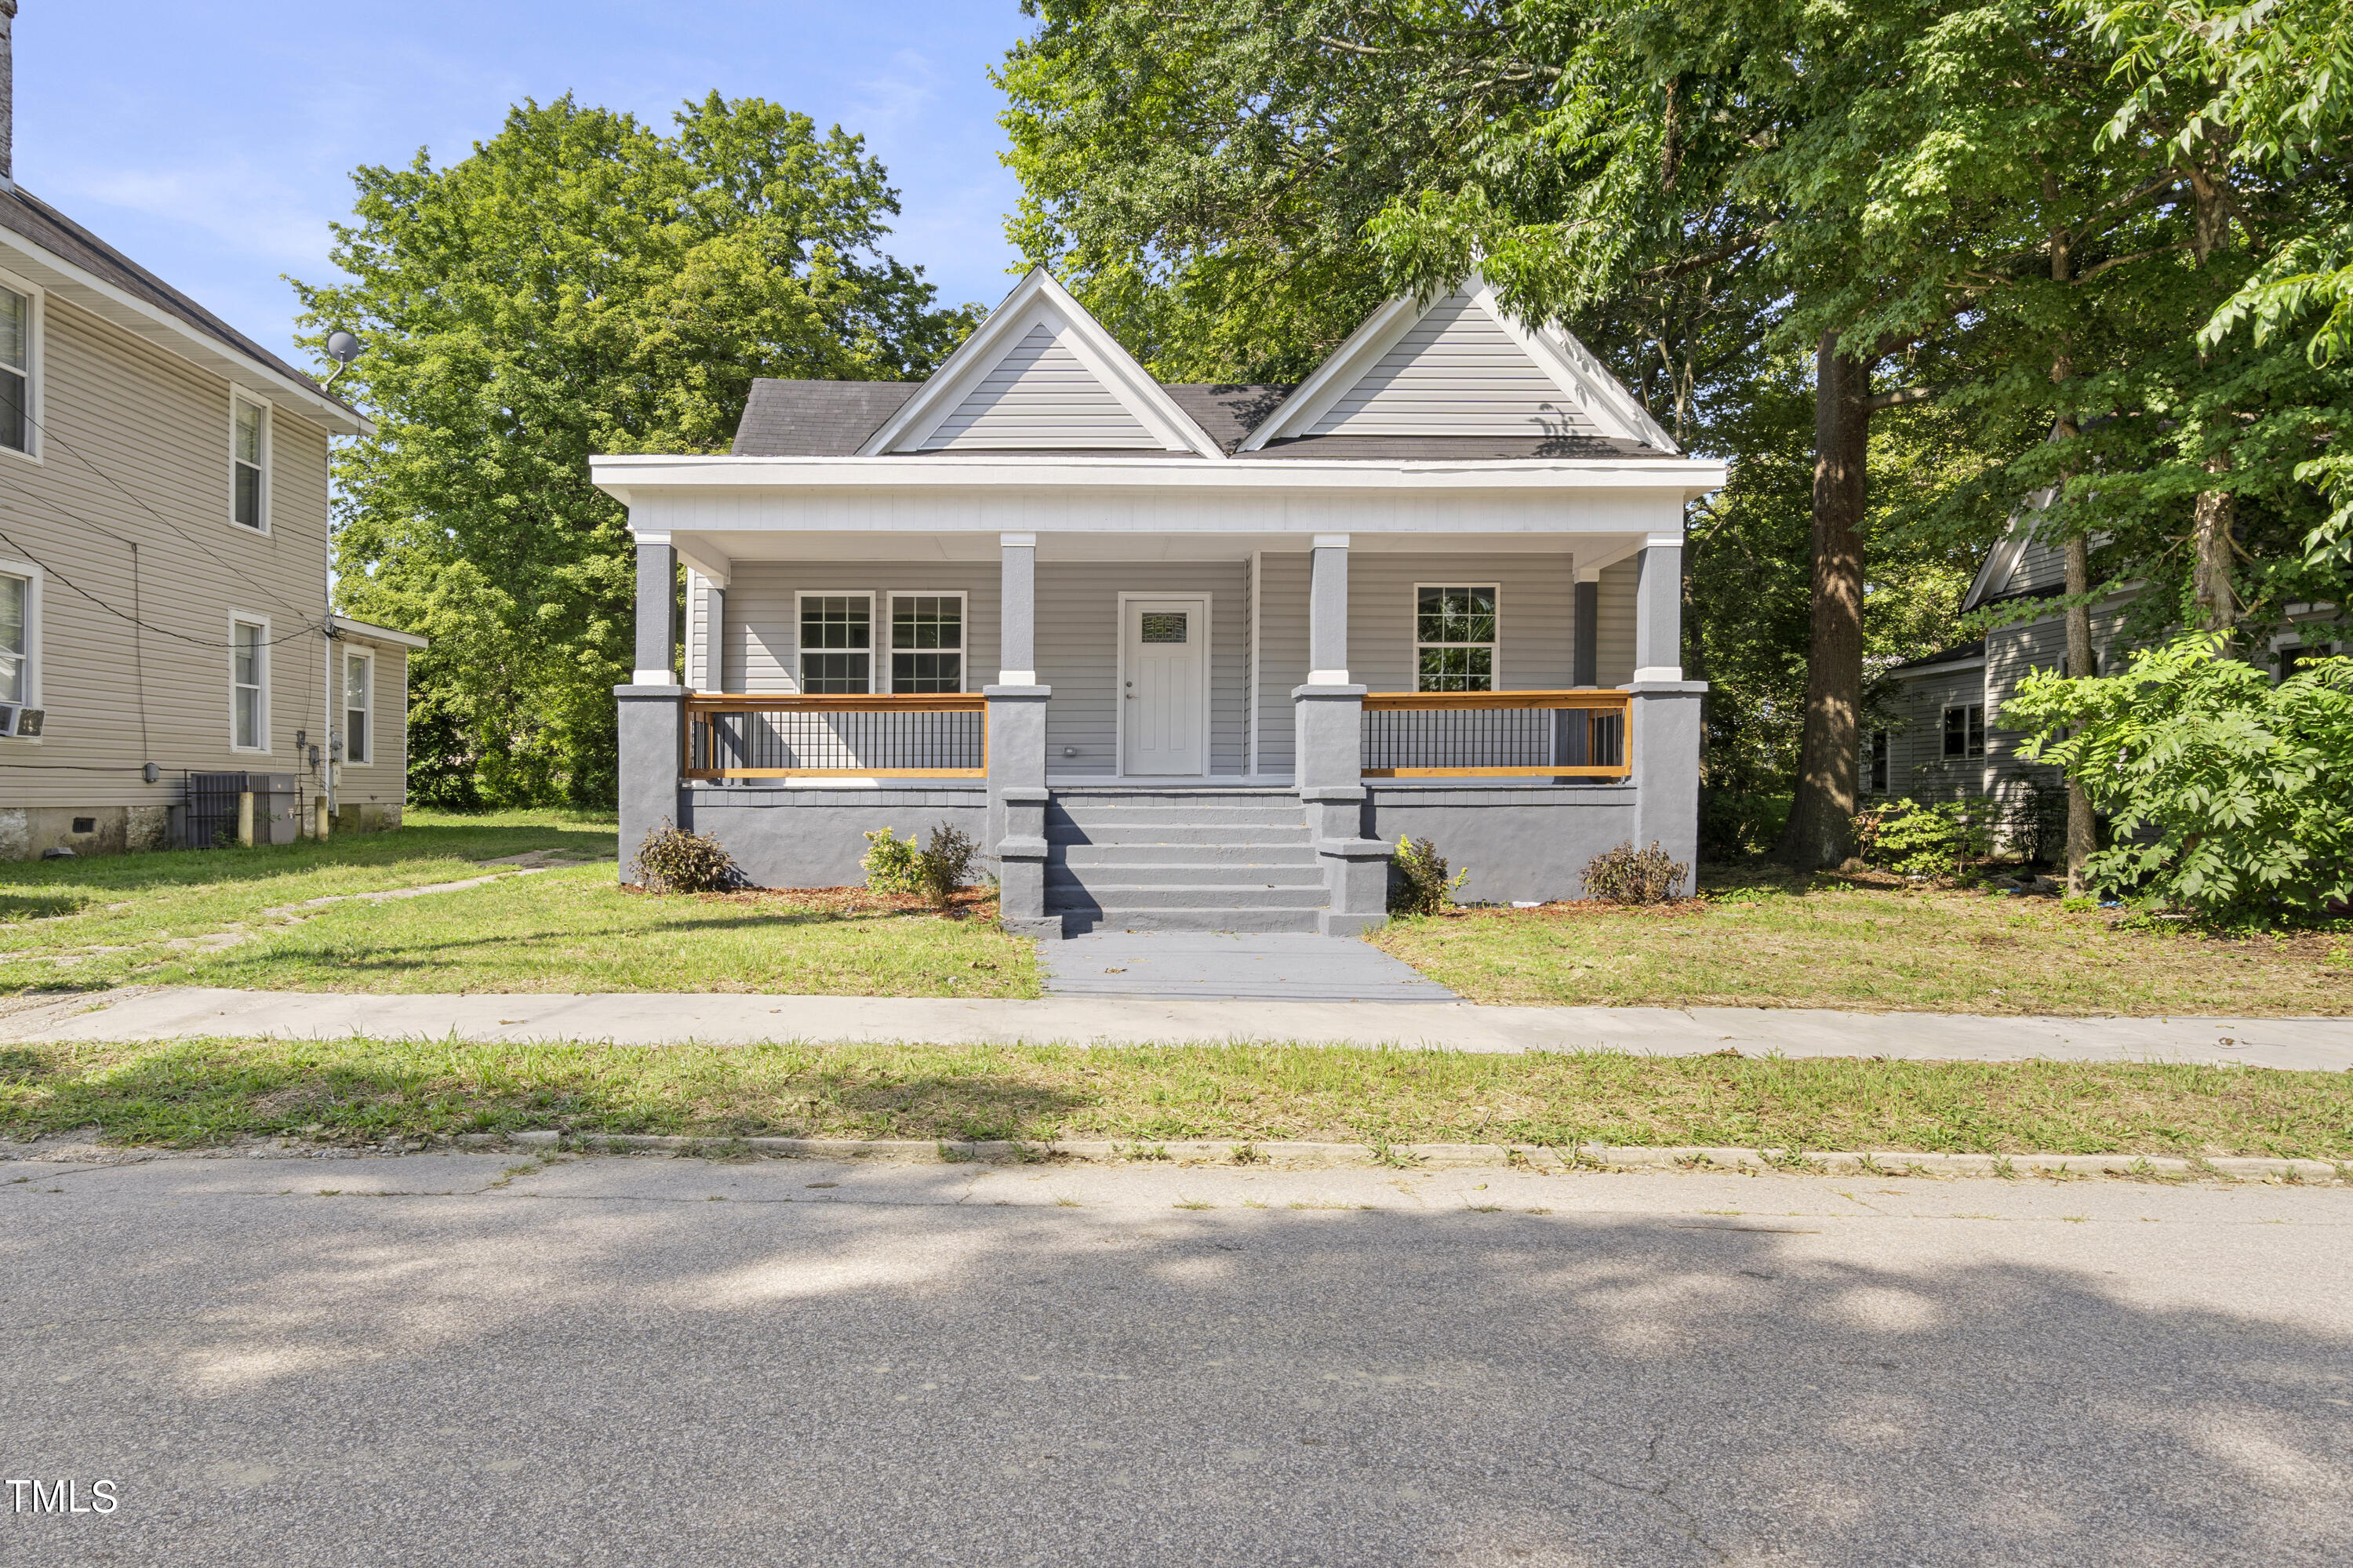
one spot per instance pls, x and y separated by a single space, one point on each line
716 550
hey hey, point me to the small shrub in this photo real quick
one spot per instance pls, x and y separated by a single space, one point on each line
945 863
673 860
890 863
1631 876
1917 840
1421 885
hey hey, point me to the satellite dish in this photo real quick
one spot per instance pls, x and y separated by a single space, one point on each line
343 347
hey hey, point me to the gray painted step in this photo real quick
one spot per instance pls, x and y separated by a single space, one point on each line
1294 852
1119 875
1204 835
1266 921
1220 894
1188 815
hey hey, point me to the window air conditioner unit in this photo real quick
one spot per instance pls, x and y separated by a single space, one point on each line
20 722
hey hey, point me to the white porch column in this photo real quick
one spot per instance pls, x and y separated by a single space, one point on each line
1015 833
651 711
1328 717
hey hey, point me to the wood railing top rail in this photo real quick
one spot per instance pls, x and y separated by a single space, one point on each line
1599 699
870 702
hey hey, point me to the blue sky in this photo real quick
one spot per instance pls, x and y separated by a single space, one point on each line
214 144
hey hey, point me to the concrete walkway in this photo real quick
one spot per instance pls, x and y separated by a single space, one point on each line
185 1013
1227 966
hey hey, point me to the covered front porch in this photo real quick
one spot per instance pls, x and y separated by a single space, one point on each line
1219 729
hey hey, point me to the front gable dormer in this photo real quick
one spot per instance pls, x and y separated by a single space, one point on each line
1041 375
1461 365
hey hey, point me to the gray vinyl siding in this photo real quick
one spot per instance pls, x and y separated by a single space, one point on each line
1078 655
2039 565
1917 767
759 627
1536 610
1281 655
700 599
125 417
1038 395
1455 372
1613 621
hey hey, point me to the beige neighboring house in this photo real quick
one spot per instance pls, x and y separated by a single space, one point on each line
164 560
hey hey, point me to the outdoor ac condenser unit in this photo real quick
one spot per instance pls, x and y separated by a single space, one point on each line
21 721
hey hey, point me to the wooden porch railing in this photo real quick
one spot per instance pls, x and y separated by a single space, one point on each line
1453 734
787 736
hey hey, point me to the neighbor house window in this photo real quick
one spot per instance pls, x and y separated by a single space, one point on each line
16 639
359 680
837 644
1874 763
16 371
248 661
927 643
248 446
1965 730
1454 638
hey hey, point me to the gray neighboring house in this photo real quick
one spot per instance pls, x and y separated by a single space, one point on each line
1175 657
163 583
1948 742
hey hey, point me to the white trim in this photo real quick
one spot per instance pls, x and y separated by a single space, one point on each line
238 397
344 710
1974 661
1414 644
1037 299
366 632
1658 672
179 338
1016 677
1329 541
1257 606
885 680
1328 678
35 370
1208 683
1016 541
237 617
1348 363
31 576
796 674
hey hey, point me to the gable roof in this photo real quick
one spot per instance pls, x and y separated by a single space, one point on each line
1041 374
36 223
1459 366
815 418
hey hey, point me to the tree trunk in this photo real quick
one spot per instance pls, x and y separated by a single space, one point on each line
2210 517
2083 835
1820 833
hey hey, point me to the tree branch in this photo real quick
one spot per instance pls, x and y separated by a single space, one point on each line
1898 398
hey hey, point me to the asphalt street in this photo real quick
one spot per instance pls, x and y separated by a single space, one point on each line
476 1359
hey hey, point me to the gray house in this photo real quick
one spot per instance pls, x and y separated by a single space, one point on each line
1176 656
164 609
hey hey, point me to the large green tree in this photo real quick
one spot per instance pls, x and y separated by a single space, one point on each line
579 283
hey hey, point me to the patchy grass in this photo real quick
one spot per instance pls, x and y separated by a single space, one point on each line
243 918
200 1092
1871 942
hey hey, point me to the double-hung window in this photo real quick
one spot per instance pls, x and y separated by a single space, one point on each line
927 643
359 682
837 644
16 638
248 659
16 370
1454 638
1965 732
248 464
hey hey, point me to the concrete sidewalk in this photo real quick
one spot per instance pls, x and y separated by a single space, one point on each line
182 1012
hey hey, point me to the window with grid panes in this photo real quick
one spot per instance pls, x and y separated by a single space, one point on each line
246 466
837 644
248 676
358 697
1965 730
15 611
927 643
1454 638
16 371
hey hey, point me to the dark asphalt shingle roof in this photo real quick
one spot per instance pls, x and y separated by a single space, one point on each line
817 418
23 213
1944 656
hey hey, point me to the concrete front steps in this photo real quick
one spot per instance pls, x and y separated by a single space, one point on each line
1160 859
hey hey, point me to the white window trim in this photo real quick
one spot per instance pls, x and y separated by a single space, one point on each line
1414 644
882 679
1209 681
36 377
31 576
344 709
800 682
237 617
237 399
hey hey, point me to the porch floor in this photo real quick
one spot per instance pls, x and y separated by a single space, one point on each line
1201 966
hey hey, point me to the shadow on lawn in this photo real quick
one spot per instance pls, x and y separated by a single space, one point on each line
33 882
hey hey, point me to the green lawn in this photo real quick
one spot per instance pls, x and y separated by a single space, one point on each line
199 1092
240 918
1766 939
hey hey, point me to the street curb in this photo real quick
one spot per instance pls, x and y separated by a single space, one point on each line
1441 1156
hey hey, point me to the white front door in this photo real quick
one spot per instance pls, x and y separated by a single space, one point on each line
1165 688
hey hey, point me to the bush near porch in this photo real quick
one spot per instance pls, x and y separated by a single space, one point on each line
1761 937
